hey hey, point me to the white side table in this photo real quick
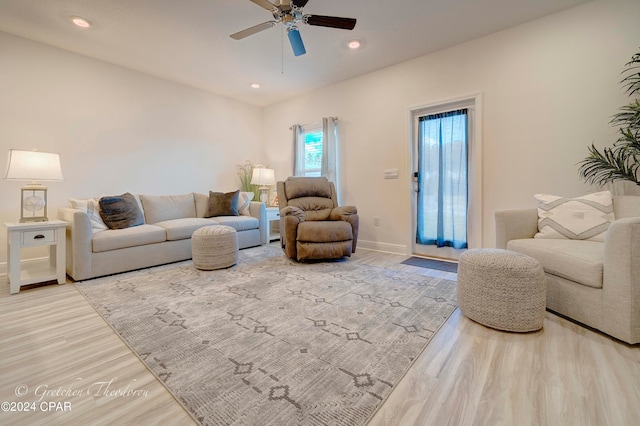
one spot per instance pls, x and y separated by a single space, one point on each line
33 234
273 214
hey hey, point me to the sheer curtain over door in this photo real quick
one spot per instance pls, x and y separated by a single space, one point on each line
442 201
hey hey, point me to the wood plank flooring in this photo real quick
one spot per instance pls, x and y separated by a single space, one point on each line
52 344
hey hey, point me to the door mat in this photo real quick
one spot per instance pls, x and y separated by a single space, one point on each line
439 265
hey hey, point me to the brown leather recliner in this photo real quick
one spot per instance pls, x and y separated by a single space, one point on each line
312 225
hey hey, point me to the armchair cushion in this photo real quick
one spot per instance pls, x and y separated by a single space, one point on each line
574 260
315 208
300 187
324 231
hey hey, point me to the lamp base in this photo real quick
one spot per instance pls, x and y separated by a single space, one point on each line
33 219
264 195
33 203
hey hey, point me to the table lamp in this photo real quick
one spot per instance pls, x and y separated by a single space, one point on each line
263 178
33 166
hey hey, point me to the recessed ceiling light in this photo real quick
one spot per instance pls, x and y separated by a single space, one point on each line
80 21
255 86
353 44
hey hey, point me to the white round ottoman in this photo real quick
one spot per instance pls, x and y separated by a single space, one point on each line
502 289
214 247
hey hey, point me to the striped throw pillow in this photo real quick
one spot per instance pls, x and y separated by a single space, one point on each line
582 218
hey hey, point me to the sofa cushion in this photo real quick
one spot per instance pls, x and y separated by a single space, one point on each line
575 260
239 223
120 211
114 239
582 218
223 204
180 229
158 208
324 231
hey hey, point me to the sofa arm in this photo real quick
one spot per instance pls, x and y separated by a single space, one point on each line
290 218
514 225
621 281
258 210
79 248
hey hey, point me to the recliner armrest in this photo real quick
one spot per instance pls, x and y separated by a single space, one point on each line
293 211
348 214
342 212
290 218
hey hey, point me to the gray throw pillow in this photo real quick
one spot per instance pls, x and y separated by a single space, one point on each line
120 211
223 204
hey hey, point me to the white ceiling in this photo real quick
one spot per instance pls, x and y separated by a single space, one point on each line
187 41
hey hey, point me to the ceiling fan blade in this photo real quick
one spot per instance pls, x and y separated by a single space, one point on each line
252 30
265 4
296 42
330 21
300 3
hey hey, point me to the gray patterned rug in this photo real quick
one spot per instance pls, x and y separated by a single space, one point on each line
275 342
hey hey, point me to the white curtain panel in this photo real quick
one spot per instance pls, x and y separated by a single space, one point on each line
330 152
298 151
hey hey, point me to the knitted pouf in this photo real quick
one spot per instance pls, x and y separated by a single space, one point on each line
214 247
502 289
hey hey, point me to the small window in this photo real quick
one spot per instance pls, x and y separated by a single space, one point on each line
312 145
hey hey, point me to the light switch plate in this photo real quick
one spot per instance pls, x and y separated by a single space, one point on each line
391 174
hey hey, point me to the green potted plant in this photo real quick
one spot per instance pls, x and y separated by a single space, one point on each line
621 161
245 173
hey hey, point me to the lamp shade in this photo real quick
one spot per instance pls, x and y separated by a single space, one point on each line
262 177
33 165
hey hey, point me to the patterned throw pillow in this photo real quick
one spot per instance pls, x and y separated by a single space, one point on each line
121 211
582 218
223 204
92 208
244 200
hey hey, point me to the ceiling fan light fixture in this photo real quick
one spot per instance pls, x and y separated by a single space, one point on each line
296 41
81 22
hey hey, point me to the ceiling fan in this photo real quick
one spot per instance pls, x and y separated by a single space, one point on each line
290 13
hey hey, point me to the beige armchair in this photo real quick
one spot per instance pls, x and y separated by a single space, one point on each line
312 225
595 283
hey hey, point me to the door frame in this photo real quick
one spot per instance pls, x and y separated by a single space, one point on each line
474 225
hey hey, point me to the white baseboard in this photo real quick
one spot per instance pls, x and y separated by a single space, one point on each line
384 247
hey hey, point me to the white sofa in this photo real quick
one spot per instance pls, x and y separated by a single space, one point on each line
595 283
165 236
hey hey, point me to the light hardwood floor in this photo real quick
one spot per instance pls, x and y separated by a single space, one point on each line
52 343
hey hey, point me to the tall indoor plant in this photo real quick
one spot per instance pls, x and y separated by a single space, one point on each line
622 160
245 173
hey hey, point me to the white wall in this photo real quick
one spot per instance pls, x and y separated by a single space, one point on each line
549 88
116 130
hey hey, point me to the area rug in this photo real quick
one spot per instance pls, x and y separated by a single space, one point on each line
431 264
274 342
